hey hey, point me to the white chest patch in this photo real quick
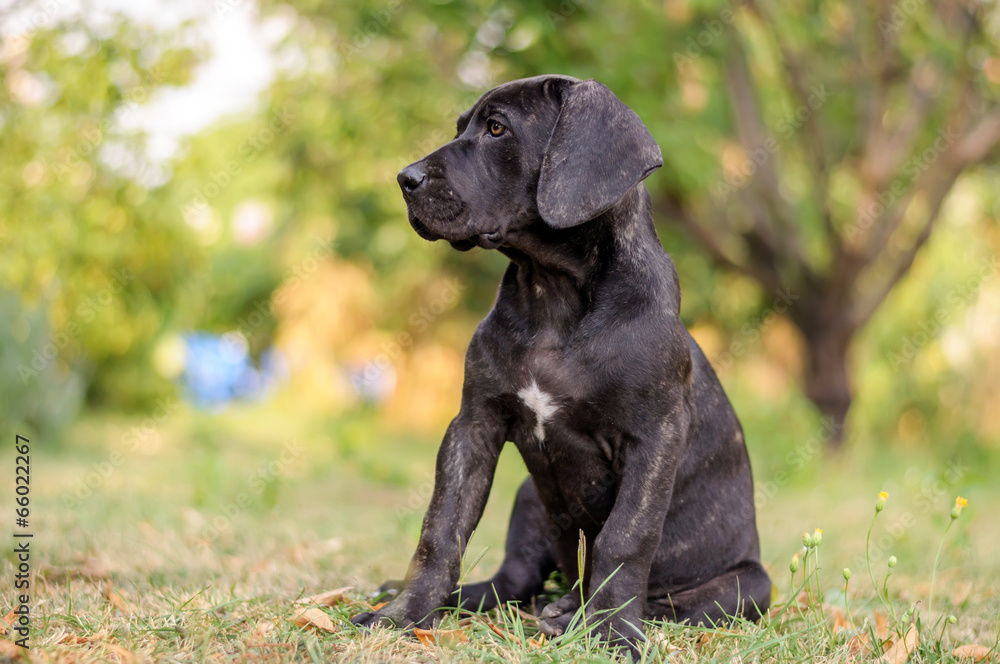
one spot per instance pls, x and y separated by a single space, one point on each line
541 404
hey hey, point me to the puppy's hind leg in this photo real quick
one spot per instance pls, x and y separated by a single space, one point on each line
529 558
744 591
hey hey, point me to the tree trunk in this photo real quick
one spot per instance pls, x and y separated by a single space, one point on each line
827 379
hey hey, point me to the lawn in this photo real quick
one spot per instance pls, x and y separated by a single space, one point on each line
191 537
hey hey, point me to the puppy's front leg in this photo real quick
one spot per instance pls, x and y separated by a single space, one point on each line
624 549
465 466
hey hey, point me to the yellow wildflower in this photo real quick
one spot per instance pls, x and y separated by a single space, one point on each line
960 504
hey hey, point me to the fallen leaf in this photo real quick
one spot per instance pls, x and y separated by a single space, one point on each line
840 621
73 638
504 635
901 650
974 652
313 618
881 626
264 626
859 644
799 606
117 600
430 637
379 606
260 631
330 598
10 650
98 640
962 591
123 654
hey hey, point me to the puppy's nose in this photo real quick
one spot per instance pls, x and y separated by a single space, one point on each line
410 178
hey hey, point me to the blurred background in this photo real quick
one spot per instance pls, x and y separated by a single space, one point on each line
205 255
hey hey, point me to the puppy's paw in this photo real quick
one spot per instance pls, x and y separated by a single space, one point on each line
393 615
557 616
403 613
623 632
371 620
626 637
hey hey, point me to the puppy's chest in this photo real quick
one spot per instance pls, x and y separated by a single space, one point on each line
555 402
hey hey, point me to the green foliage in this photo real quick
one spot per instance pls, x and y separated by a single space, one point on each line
130 252
82 237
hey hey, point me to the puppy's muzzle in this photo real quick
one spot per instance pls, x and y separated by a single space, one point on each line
431 210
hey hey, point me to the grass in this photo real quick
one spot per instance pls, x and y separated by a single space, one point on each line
196 542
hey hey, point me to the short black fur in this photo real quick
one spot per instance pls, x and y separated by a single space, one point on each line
583 363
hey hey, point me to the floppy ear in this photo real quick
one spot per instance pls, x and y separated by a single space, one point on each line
598 150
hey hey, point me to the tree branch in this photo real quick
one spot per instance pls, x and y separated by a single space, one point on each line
887 152
745 106
863 310
765 273
970 149
958 155
977 144
883 54
815 148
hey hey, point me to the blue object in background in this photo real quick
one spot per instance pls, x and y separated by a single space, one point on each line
219 370
373 381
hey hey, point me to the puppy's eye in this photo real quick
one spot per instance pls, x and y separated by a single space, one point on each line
496 129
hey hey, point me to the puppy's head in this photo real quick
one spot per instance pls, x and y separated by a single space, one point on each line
551 147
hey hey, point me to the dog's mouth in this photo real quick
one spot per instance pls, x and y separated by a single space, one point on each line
448 213
440 215
489 240
422 229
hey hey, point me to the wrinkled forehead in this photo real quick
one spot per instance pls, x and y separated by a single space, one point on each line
525 95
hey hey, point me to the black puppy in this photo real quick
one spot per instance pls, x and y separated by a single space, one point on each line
584 364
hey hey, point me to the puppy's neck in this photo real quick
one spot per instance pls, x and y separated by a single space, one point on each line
555 272
616 237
